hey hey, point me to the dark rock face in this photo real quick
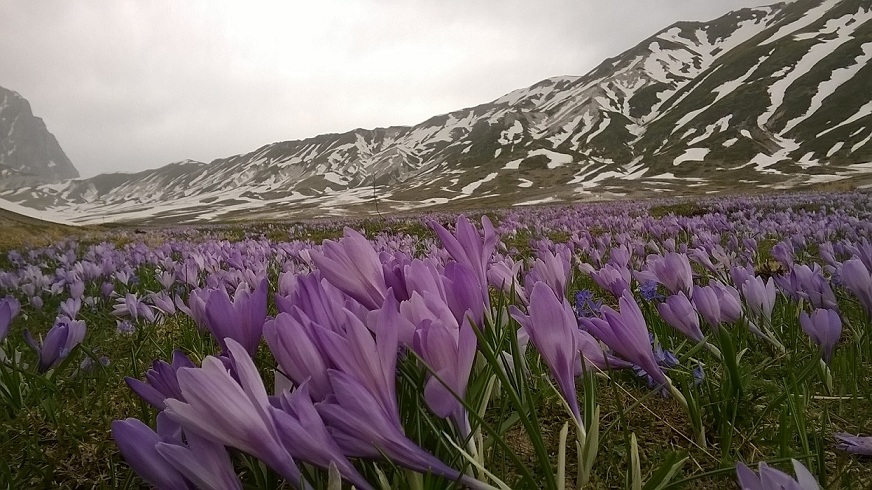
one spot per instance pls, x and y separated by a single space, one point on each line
27 149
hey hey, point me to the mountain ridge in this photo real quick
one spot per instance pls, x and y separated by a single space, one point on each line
698 107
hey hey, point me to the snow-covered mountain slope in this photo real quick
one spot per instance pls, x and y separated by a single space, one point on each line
29 154
771 97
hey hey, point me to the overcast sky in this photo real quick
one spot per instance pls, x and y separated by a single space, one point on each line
127 85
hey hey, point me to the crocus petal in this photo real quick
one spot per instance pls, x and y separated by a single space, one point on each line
291 342
230 413
854 444
204 463
552 326
137 442
679 313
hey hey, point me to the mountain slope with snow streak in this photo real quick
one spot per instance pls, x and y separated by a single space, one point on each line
762 98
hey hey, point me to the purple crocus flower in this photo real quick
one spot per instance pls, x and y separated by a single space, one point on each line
626 333
124 327
138 444
824 327
772 479
503 275
760 297
854 444
130 305
614 279
729 301
161 458
292 342
705 298
554 269
353 266
241 320
551 325
306 438
593 356
162 381
701 257
857 278
8 310
196 307
783 252
449 350
810 284
163 302
741 275
204 463
362 427
461 294
166 279
469 247
63 336
70 307
229 412
370 361
680 314
672 270
424 275
14 305
77 290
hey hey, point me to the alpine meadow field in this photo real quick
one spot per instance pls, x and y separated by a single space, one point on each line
644 345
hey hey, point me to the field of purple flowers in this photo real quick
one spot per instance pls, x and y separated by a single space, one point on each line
650 345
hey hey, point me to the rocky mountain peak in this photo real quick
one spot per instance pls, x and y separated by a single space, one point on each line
28 151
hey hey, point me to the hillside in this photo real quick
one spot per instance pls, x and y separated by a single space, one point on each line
773 97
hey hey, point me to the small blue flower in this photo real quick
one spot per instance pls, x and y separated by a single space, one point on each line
649 291
698 375
124 327
585 304
664 358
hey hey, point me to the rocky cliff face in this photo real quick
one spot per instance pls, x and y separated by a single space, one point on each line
28 152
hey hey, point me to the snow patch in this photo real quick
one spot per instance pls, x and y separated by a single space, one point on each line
334 178
536 201
720 125
862 143
513 134
691 154
513 165
556 159
807 161
470 188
